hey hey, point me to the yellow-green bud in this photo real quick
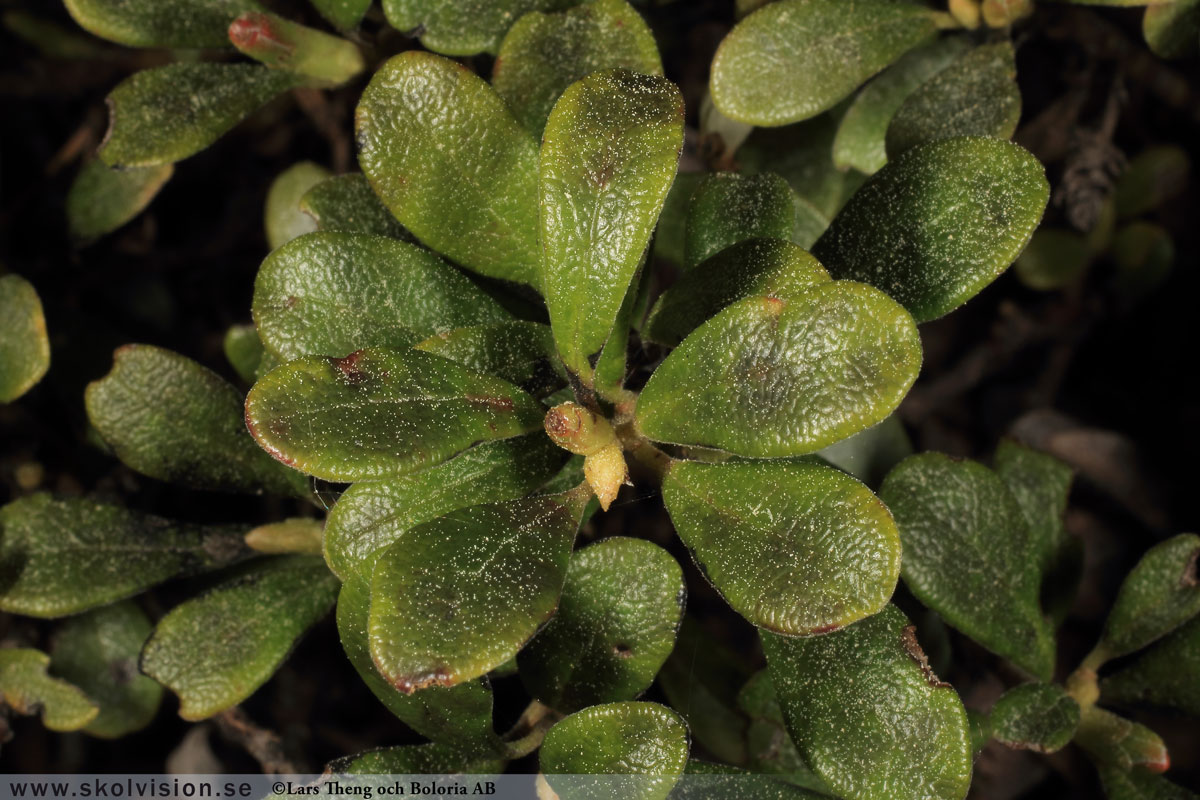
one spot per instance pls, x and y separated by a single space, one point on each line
575 428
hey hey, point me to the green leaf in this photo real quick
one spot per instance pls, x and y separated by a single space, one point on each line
1168 674
615 626
771 749
868 714
520 352
543 54
938 224
381 413
644 745
609 155
1144 256
757 267
156 23
458 596
774 67
823 553
1158 595
243 350
1035 716
27 689
870 454
1054 259
294 535
417 759
977 95
458 715
728 207
1154 176
860 136
672 222
1120 784
345 15
1173 29
284 220
1113 741
1041 485
370 515
170 418
706 780
60 557
24 345
98 652
768 378
102 199
215 650
452 163
333 293
348 204
166 114
463 27
965 539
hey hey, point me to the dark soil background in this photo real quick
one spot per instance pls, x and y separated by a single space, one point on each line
1102 382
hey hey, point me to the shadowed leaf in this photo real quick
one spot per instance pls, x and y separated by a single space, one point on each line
160 23
102 199
24 345
27 689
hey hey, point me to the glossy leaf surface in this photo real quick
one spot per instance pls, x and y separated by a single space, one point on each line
60 557
615 626
452 163
98 652
348 204
26 688
644 743
938 224
102 199
757 267
370 515
869 715
1035 716
155 23
768 378
166 114
381 413
969 555
977 95
770 748
283 219
860 134
729 207
608 158
520 352
1161 593
821 554
215 650
774 66
333 293
1168 674
543 54
460 595
462 27
170 418
24 344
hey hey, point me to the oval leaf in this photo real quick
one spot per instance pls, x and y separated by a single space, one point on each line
158 23
520 352
24 344
459 28
774 66
728 207
820 555
381 413
333 293
757 267
965 538
1168 674
452 163
98 652
102 199
869 715
345 15
543 54
768 378
370 515
348 204
460 595
27 689
283 218
166 114
215 650
608 157
644 746
614 628
938 224
1035 716
977 95
60 557
170 418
